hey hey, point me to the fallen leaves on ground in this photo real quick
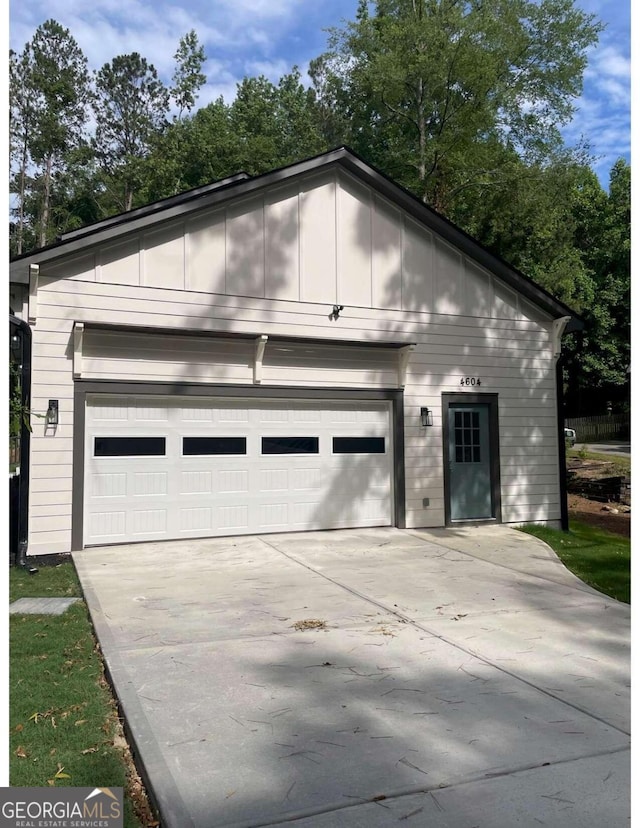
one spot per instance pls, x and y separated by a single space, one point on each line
310 624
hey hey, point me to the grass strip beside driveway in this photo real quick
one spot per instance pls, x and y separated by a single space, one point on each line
599 558
64 726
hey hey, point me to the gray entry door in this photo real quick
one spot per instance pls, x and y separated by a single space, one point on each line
469 462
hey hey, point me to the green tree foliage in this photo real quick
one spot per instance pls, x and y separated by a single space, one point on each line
599 359
131 107
49 96
188 76
266 126
437 90
21 126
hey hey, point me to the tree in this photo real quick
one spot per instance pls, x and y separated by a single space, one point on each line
298 120
188 76
598 361
21 125
266 126
49 90
131 107
436 90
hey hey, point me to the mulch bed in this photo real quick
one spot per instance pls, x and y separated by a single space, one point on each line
593 513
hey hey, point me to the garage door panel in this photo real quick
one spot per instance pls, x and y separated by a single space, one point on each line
150 483
187 485
110 412
273 480
232 518
196 482
108 484
196 519
108 526
232 481
145 411
149 522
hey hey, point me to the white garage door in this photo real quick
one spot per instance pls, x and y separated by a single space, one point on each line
179 467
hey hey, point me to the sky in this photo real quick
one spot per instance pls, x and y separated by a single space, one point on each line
252 37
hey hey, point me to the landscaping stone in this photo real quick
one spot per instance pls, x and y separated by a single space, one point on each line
41 606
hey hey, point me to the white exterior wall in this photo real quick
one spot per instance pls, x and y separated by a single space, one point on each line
275 265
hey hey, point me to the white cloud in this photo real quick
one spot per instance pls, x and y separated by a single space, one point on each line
232 28
271 69
269 36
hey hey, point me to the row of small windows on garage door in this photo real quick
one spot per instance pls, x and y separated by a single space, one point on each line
205 446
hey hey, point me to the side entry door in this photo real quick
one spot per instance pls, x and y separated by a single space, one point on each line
471 483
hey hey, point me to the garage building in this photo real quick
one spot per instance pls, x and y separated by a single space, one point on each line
312 348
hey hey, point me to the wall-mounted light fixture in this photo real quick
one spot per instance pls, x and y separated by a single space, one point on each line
51 417
335 313
426 417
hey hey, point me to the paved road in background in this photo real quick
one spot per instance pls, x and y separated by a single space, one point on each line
619 448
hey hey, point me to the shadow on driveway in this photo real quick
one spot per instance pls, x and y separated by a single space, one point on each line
447 684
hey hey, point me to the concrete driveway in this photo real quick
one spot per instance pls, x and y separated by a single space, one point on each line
451 678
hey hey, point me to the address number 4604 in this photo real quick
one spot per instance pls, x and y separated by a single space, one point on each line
470 381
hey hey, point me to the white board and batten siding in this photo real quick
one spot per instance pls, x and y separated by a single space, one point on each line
275 265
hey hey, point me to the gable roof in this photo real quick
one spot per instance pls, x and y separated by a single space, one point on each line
241 185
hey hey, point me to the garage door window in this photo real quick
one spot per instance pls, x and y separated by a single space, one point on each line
290 445
129 447
358 445
192 446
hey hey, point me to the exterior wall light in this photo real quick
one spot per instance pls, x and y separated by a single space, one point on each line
426 417
51 418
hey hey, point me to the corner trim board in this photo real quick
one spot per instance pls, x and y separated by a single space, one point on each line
77 481
34 274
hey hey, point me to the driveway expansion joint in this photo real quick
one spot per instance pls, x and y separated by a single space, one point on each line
578 585
423 789
408 619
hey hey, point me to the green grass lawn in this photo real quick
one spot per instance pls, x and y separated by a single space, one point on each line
64 728
599 558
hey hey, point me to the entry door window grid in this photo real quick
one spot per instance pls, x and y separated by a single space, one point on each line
467 436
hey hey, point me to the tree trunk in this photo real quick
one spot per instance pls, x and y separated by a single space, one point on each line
422 133
46 197
23 187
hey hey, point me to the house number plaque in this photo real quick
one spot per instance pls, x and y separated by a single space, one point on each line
470 381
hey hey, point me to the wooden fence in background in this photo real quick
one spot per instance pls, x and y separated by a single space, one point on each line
603 427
